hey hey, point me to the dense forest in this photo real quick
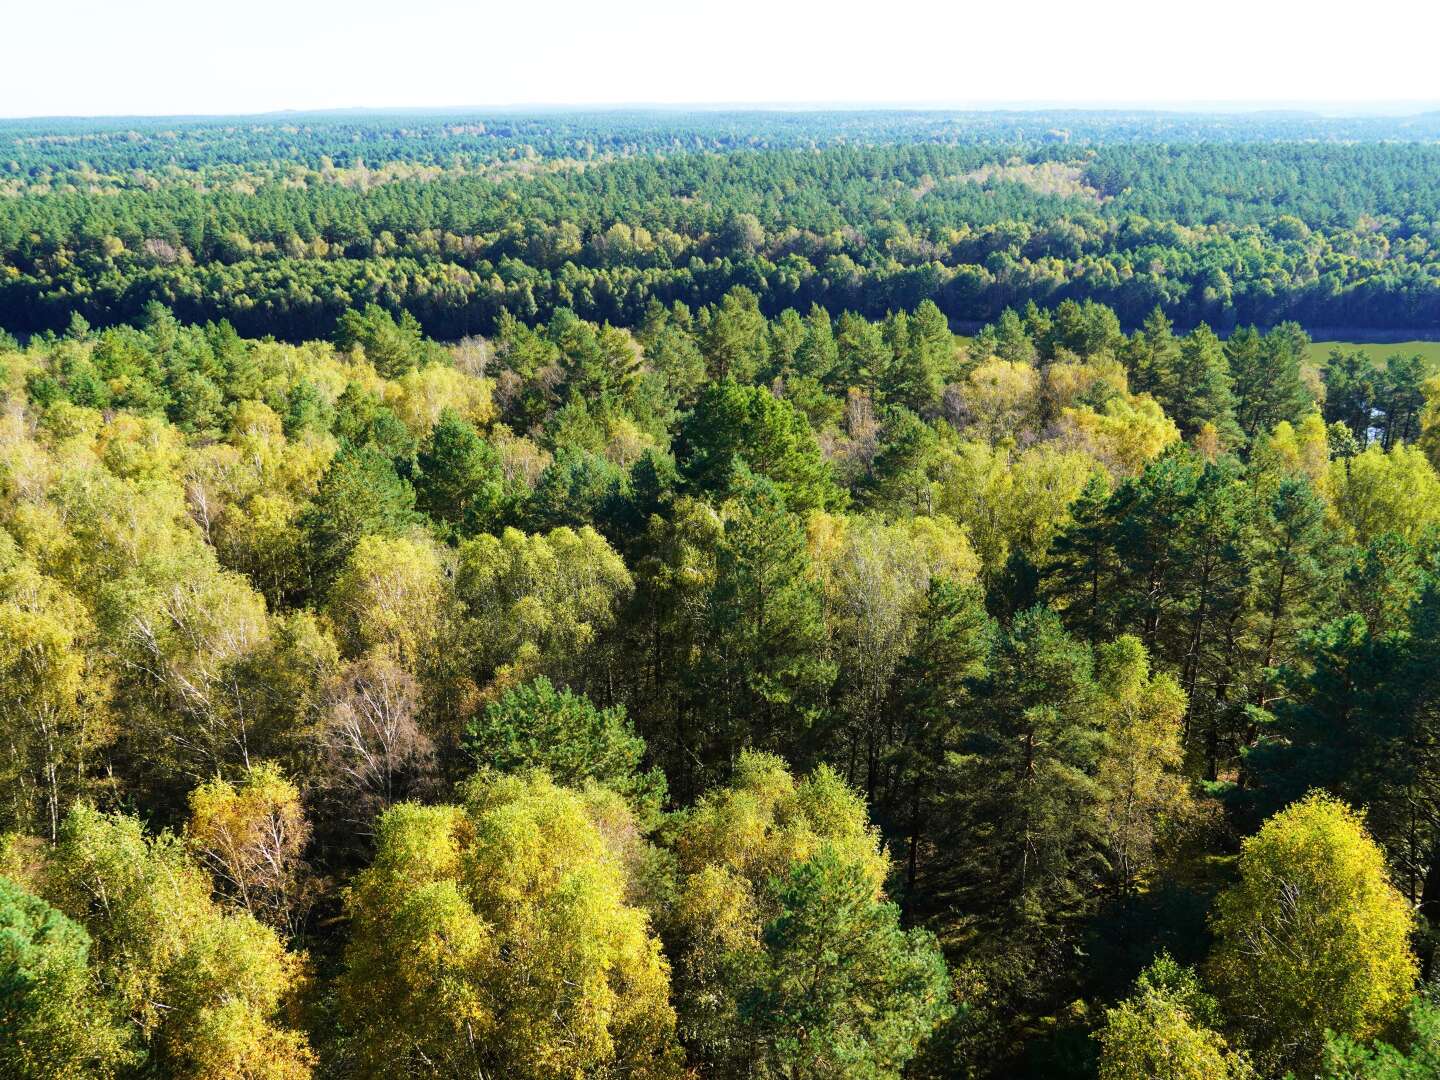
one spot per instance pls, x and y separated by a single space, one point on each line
281 228
560 600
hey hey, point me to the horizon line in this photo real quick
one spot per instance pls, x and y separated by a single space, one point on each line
1313 108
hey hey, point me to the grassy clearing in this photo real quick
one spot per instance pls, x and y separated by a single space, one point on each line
1429 351
1319 351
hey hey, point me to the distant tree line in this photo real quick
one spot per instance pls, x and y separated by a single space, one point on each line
1323 235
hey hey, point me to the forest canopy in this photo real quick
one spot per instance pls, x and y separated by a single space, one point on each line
554 596
282 227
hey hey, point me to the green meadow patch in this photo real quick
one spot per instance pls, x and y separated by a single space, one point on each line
1429 351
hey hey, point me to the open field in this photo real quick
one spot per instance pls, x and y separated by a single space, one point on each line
1319 351
1429 351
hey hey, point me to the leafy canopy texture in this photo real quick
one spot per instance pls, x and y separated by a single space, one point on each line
840 990
732 423
1349 1059
791 963
1313 937
538 726
53 1024
205 990
494 938
1164 1030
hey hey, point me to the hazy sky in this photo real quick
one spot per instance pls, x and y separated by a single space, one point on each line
203 56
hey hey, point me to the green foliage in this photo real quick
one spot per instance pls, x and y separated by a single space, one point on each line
496 938
1269 386
394 347
458 478
1022 784
1376 492
928 695
1198 389
765 670
1153 357
537 603
461 224
536 726
899 475
269 591
1144 792
675 358
733 338
790 962
573 490
923 351
1347 1059
53 1024
205 990
360 495
1171 557
1163 1030
734 425
363 420
1313 937
840 990
1357 715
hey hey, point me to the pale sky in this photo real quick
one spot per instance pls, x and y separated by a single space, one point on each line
93 57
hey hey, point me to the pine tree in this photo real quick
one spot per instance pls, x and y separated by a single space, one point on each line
913 376
459 481
864 356
929 693
360 495
1350 391
1153 355
840 989
817 354
734 337
734 427
766 669
1022 803
1208 593
1082 566
1198 389
1269 386
54 1023
1295 572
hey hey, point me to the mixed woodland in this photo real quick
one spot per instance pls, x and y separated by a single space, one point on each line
553 597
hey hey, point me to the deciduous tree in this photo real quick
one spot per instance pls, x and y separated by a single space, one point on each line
1313 937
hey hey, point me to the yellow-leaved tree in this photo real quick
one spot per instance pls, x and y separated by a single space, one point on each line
1379 491
537 604
52 697
494 938
1164 1031
389 597
790 961
251 835
1145 793
206 990
1313 937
